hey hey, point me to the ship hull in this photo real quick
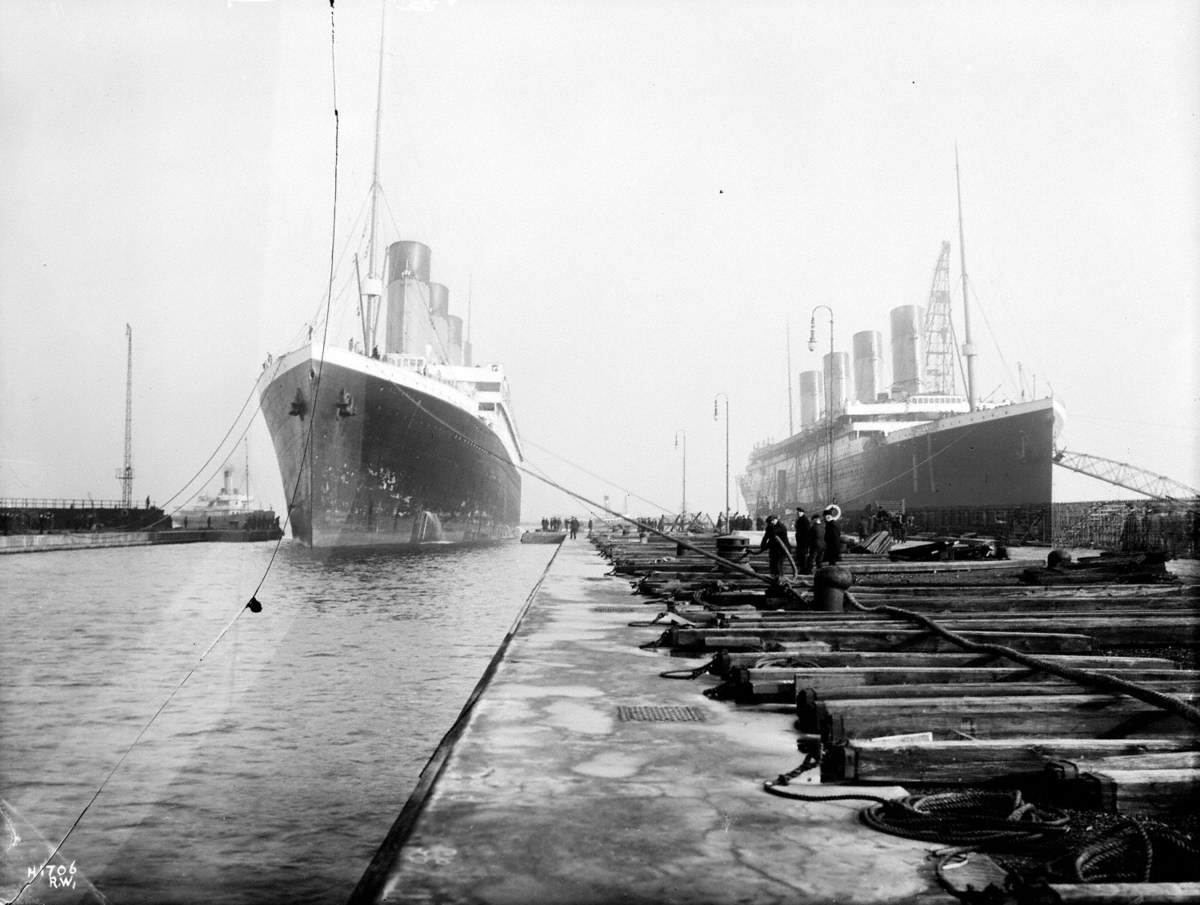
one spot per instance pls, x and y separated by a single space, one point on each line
375 456
998 458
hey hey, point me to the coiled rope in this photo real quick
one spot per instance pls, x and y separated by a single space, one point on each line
1137 852
967 818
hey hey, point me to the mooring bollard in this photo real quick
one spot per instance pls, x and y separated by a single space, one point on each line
729 547
829 582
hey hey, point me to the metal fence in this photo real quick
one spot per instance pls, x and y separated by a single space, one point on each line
1172 527
1120 525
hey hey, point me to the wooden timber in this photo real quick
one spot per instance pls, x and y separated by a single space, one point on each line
993 720
1100 716
966 762
874 639
976 872
985 690
776 684
1103 630
730 660
1029 607
1160 791
1105 761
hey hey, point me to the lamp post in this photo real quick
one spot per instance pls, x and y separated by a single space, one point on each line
812 347
715 398
683 505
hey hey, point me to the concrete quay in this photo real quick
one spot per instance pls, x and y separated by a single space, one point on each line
93 540
576 774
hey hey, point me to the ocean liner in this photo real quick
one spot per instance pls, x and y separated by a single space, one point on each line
918 446
397 439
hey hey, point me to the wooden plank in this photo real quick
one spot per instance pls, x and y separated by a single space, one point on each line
993 717
1034 591
879 639
825 679
753 606
959 689
970 873
1113 630
967 762
1126 893
749 616
864 659
1158 760
1154 793
782 684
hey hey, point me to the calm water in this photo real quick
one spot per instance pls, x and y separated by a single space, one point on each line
279 765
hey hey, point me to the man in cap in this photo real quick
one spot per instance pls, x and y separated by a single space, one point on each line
775 543
803 527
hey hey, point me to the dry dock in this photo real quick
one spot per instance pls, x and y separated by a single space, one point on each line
579 775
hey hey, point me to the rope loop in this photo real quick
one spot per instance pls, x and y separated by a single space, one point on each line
970 817
687 673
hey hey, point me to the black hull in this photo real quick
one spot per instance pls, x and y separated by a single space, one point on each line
394 461
1000 458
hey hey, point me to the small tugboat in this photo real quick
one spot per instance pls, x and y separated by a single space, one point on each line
230 508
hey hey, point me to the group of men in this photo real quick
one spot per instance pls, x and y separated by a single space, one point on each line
818 541
571 525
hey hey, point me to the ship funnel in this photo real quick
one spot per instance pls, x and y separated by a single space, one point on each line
812 395
409 259
906 350
456 339
439 313
868 365
408 326
836 366
439 300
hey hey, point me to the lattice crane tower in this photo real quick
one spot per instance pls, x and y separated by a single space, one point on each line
125 473
938 331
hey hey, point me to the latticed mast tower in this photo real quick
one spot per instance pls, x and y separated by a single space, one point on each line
938 332
125 473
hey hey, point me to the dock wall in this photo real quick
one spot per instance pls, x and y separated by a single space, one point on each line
92 540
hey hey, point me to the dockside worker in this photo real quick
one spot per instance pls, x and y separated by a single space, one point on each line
833 537
803 529
816 544
775 543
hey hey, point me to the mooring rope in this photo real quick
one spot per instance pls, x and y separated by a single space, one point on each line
252 604
598 507
1108 859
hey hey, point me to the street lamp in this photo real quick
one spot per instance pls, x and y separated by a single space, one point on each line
684 504
715 398
812 347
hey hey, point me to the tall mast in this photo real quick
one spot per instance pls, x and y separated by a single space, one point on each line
125 474
373 286
968 345
791 406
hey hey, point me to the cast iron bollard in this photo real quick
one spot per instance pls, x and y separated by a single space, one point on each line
828 584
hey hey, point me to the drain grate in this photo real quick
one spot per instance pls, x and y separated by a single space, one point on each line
659 713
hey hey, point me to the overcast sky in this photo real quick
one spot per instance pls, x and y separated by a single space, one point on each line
640 195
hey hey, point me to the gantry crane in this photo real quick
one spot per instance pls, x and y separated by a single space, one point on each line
937 333
1122 474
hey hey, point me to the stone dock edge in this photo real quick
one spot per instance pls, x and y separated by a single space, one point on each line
577 774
